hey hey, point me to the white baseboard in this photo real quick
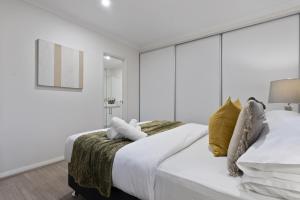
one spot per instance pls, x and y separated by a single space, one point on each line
30 167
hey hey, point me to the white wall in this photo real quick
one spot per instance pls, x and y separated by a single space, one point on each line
34 122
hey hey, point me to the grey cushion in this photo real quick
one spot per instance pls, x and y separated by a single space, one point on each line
248 128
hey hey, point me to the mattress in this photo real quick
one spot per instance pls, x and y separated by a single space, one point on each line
194 174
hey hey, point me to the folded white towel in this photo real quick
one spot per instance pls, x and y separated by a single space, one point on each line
127 130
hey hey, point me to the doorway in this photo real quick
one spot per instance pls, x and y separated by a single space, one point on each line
113 88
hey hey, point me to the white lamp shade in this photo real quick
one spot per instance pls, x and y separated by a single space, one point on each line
285 91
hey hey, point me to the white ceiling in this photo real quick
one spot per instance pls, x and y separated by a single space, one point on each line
147 24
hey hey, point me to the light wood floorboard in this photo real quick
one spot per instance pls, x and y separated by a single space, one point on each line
46 183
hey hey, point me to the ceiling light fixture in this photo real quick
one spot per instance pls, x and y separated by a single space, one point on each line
106 3
107 57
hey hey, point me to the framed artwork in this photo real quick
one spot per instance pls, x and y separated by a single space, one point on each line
59 66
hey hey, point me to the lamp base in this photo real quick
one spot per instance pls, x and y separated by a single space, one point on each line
288 107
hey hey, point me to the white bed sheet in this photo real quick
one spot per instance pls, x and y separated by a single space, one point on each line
194 174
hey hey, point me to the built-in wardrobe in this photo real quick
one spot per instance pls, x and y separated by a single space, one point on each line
189 81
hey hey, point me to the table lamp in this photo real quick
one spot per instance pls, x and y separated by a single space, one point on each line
285 91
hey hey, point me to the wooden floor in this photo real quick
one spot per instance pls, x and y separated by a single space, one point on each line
47 183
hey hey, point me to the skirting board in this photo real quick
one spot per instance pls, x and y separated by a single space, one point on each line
30 167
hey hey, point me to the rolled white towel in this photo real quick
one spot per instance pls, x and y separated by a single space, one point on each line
127 130
134 123
113 134
139 128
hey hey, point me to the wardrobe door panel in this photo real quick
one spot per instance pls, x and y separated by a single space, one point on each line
157 84
254 56
197 79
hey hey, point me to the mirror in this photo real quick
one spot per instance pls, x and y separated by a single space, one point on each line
113 88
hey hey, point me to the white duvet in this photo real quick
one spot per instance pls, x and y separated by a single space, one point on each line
272 165
135 165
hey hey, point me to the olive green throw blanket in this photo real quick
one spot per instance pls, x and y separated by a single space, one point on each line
93 156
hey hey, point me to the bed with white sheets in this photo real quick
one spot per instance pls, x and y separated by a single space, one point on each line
177 165
194 174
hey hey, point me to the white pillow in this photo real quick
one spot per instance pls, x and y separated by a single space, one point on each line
277 150
271 166
127 130
277 188
276 118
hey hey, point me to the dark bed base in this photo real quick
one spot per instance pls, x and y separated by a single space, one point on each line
93 194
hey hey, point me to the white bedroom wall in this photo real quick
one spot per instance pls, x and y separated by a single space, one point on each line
34 122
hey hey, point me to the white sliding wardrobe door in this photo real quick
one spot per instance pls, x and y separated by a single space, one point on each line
157 84
254 56
197 79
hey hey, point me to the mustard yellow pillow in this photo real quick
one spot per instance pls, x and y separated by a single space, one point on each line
221 126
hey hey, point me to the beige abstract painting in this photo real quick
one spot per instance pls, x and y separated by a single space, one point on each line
59 66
